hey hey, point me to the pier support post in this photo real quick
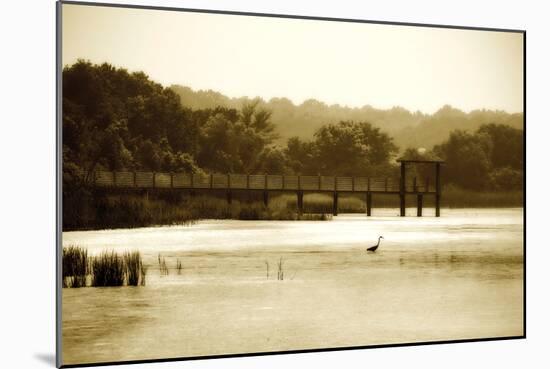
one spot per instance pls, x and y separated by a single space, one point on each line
402 191
266 198
437 189
369 203
300 197
228 197
419 201
335 203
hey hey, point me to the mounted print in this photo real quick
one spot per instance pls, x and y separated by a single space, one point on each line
236 184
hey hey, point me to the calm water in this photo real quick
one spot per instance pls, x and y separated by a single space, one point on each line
455 277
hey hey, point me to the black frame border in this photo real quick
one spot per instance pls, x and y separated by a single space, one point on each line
59 189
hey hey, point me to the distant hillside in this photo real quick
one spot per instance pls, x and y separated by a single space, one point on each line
409 129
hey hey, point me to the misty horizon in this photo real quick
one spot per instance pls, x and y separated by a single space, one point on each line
268 99
346 64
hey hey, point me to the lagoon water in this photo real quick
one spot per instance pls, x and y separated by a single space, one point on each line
459 276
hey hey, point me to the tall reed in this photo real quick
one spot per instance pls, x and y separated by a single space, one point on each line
163 269
74 266
134 270
108 270
280 270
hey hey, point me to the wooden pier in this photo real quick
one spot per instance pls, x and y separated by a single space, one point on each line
267 183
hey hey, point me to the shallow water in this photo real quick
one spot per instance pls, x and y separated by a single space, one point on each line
455 277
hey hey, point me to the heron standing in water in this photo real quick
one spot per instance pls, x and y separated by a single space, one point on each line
373 248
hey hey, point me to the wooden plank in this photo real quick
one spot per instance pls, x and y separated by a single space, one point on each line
124 179
144 179
256 182
291 182
393 184
377 184
309 182
274 182
361 184
328 183
201 180
182 180
163 180
238 181
344 183
104 178
220 181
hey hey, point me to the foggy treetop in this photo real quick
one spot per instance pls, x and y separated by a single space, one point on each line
114 119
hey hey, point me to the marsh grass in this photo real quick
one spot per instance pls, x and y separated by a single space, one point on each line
280 270
102 210
134 270
108 270
163 268
75 266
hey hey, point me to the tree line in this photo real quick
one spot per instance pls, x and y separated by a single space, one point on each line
407 128
119 120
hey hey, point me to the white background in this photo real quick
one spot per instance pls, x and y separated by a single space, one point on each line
27 183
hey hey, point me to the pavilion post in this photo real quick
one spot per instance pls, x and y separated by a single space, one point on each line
369 203
419 201
335 203
437 189
402 190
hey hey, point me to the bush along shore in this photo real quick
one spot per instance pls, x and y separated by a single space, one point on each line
97 210
107 269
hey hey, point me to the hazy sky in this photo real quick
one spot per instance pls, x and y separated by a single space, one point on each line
352 64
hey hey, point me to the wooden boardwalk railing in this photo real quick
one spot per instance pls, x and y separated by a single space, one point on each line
152 180
267 183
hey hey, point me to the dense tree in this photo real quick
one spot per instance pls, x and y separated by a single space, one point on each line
301 156
116 120
346 148
408 128
490 158
507 148
351 148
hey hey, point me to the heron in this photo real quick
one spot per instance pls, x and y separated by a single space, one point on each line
373 248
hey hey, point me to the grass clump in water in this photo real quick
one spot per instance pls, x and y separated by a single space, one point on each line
280 270
163 269
134 269
108 270
74 266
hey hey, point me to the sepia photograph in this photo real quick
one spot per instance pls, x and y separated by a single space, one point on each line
240 184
